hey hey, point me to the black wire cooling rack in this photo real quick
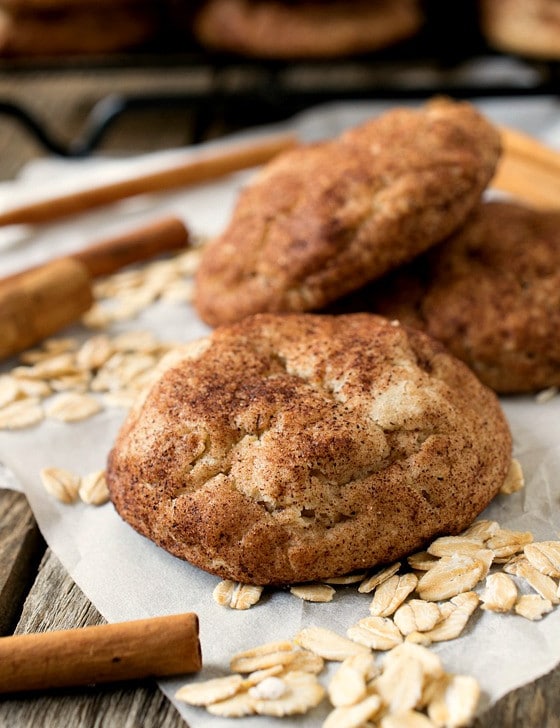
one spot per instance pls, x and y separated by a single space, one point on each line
449 57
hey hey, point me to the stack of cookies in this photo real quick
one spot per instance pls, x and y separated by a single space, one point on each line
72 27
329 226
293 444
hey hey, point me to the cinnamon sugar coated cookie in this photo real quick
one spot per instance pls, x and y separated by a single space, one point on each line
324 219
491 294
289 448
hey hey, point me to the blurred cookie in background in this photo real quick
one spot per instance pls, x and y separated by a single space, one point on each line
523 27
305 29
62 27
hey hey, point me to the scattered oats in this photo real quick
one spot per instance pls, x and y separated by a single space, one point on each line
391 594
178 292
210 691
306 661
532 606
270 688
483 529
544 556
327 644
138 341
9 390
159 274
500 593
421 561
54 366
60 483
130 305
546 395
541 583
34 388
238 706
514 479
262 657
417 615
302 692
431 663
21 413
93 488
346 580
377 633
258 675
33 356
73 406
369 584
451 576
486 557
354 716
58 345
94 352
452 625
451 545
313 592
187 263
349 683
97 317
123 398
78 382
504 543
400 684
406 719
236 595
455 703
510 565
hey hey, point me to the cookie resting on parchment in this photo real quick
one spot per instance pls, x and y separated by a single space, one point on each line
490 293
288 448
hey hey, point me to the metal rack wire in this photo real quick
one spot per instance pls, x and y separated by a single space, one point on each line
247 91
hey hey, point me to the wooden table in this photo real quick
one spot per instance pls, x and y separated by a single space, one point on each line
36 593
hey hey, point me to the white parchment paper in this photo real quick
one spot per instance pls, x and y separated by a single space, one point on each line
126 576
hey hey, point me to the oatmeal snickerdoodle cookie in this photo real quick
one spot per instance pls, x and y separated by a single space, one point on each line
324 219
293 447
490 293
305 29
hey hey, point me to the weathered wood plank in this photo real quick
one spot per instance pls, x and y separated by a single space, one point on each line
21 547
536 705
55 602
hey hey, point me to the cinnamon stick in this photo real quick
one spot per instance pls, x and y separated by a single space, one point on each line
193 171
153 647
528 169
40 301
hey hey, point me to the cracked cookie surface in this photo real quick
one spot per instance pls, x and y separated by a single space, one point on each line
324 219
491 294
292 447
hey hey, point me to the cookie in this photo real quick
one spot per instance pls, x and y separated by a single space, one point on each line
308 29
524 27
81 30
491 294
324 219
292 447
